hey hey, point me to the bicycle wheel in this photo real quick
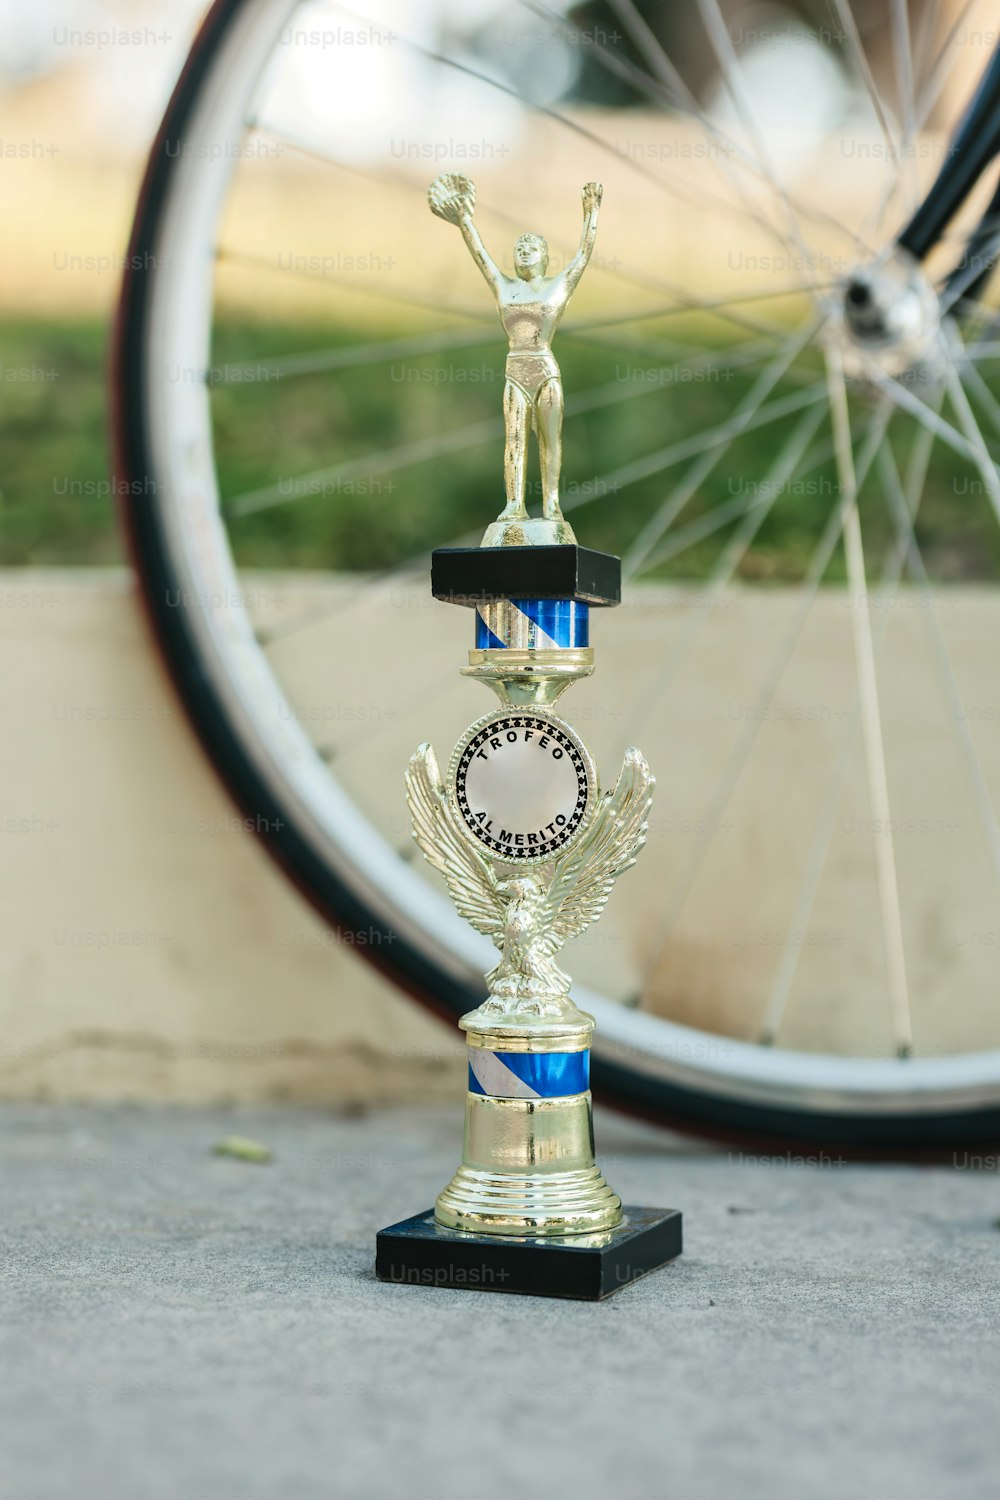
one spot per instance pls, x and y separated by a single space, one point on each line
763 438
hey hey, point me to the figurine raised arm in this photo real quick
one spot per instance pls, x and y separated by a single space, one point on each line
531 305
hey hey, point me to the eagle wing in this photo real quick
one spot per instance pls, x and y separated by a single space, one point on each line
584 876
470 877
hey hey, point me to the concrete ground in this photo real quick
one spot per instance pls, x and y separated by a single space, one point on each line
183 1325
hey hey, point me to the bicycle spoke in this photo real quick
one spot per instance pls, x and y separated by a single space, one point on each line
697 530
239 373
970 427
416 564
682 98
322 361
781 656
437 445
732 72
971 273
973 378
382 461
940 72
779 474
668 88
983 351
729 560
923 42
845 20
364 736
695 197
807 885
401 294
682 301
989 827
899 28
871 718
907 401
674 503
941 68
715 437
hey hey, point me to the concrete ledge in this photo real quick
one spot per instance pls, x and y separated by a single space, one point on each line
150 948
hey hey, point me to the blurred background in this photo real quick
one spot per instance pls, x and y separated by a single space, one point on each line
84 87
149 949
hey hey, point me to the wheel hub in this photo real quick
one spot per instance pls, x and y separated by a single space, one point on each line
886 317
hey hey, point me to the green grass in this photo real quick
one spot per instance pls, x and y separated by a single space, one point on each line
57 505
55 500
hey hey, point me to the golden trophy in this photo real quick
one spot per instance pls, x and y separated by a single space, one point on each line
529 848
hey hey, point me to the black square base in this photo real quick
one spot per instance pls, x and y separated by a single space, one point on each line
419 1252
475 575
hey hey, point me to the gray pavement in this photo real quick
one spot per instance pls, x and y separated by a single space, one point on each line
187 1326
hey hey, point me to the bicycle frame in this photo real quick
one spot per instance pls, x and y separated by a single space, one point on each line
973 148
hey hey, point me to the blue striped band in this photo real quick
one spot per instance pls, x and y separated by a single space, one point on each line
528 1075
532 624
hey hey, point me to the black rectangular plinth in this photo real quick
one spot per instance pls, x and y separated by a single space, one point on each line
475 575
419 1252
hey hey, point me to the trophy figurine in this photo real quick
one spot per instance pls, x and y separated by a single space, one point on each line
530 849
531 305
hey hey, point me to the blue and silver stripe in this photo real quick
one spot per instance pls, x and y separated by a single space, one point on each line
531 624
528 1075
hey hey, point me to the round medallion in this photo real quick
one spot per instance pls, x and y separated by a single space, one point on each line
523 784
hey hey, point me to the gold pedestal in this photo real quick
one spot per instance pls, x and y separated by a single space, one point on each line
528 1163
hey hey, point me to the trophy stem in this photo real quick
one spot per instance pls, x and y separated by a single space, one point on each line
530 650
528 1164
